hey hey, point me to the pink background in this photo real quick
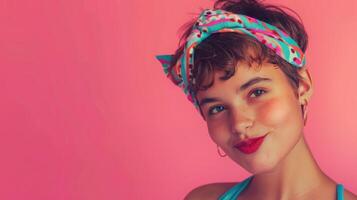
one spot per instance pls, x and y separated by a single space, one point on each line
87 113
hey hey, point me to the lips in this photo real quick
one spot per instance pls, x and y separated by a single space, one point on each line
251 145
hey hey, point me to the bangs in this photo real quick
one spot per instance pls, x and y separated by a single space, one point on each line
222 52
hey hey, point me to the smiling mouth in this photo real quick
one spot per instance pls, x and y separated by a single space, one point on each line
251 145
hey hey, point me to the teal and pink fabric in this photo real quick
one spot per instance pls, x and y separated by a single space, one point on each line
216 21
234 192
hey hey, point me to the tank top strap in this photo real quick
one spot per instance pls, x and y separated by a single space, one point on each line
339 191
234 192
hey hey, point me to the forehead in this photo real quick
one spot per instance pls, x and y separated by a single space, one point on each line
243 73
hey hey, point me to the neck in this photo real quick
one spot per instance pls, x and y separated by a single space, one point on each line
295 177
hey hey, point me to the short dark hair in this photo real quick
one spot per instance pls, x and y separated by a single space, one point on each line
222 51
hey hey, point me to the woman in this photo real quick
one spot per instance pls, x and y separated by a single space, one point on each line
243 67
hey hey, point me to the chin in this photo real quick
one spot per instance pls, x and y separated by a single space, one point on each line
261 168
260 164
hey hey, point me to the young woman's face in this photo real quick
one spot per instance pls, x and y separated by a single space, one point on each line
239 108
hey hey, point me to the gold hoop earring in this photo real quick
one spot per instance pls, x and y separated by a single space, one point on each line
219 152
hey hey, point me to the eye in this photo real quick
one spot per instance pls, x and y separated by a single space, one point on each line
257 92
215 109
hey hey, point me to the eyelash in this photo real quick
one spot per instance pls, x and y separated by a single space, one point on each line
250 93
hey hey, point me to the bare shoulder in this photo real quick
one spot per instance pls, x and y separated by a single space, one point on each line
349 195
209 191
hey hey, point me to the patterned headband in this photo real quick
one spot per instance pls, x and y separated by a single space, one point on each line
216 21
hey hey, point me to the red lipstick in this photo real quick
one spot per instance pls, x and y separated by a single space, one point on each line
251 145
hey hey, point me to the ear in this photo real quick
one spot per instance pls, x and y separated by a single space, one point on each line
305 88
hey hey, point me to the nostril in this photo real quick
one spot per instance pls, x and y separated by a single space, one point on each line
241 127
242 132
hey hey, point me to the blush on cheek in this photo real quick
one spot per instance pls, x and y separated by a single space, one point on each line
275 111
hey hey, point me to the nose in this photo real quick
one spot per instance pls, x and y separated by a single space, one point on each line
241 120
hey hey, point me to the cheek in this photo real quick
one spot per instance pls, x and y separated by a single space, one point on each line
218 130
215 130
277 111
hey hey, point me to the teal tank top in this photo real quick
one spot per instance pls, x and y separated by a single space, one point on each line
233 193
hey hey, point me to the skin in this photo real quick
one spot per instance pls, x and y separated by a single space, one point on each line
283 166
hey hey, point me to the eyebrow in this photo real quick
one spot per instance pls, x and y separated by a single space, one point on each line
249 83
